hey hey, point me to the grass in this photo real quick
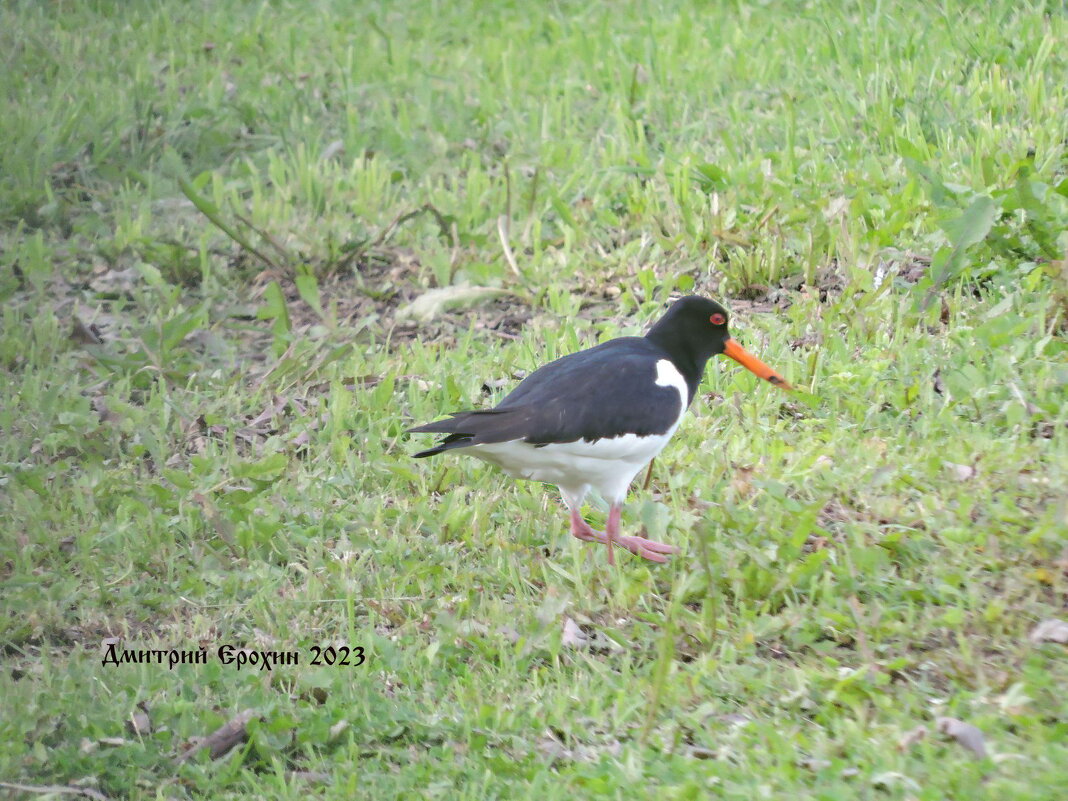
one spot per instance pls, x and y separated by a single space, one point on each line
212 218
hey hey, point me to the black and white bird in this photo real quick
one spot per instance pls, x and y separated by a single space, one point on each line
594 419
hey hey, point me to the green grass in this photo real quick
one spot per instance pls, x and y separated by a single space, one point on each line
220 201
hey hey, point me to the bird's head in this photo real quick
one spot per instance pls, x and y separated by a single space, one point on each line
697 327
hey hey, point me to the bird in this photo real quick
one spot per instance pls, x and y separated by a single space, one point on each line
591 420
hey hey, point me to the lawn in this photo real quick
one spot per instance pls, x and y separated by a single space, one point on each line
245 246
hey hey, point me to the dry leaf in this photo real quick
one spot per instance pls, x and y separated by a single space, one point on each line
335 148
891 779
509 633
741 481
962 472
139 723
964 733
85 334
1052 630
836 207
911 737
224 738
436 302
552 749
939 386
574 637
1032 410
700 752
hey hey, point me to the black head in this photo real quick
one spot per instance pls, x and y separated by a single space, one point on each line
694 330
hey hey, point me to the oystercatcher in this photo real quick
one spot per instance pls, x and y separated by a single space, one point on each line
594 419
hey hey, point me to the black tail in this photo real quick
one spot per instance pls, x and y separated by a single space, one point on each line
464 429
451 441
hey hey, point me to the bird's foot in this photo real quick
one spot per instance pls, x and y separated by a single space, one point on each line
647 549
639 546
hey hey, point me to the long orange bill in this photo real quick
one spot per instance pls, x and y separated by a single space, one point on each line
753 364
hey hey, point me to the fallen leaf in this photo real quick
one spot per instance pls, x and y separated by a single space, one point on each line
741 482
275 407
1052 630
1032 410
911 737
964 733
436 302
892 778
735 719
220 741
552 749
939 386
139 723
574 637
836 207
509 633
85 334
335 148
962 472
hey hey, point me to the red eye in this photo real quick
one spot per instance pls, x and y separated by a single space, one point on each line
717 319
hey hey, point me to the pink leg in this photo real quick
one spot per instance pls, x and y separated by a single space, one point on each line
611 528
647 549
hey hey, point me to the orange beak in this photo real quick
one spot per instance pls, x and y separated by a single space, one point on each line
753 364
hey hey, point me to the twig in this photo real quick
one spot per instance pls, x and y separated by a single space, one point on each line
446 226
439 218
502 232
454 257
266 237
209 210
767 216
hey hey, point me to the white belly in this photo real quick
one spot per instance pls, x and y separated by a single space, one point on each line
607 465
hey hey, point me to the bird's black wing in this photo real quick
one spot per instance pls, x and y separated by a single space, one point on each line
598 393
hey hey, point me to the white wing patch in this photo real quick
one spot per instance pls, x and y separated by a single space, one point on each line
668 375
